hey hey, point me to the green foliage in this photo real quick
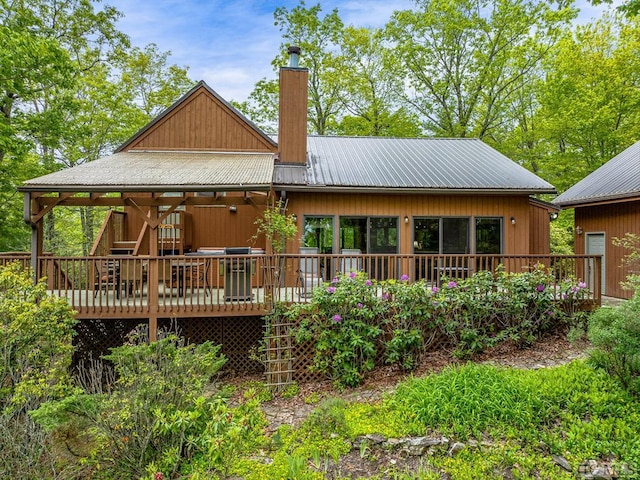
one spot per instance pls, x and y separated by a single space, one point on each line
343 321
276 226
329 417
152 415
615 335
353 320
35 340
477 400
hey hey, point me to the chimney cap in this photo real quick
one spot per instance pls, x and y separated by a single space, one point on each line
294 50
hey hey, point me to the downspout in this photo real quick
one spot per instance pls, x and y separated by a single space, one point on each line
34 235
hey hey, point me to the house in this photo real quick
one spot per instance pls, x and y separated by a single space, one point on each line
607 205
186 190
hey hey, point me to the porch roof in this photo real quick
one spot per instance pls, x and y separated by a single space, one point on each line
162 171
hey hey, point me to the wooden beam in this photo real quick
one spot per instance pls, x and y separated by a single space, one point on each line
154 222
58 200
148 201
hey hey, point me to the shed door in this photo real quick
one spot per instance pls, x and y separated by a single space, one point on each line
595 245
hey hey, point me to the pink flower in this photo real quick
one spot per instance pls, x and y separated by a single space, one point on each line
331 289
435 289
353 275
158 476
452 284
337 318
404 278
582 285
385 296
368 283
359 305
540 288
335 280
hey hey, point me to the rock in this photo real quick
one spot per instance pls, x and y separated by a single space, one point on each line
562 462
416 446
601 473
456 448
369 439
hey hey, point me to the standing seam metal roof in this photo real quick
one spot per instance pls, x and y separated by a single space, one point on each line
420 163
618 178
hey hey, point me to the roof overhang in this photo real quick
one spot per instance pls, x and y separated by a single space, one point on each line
154 171
407 190
592 202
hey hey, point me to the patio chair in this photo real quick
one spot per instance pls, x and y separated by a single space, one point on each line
107 276
348 263
309 273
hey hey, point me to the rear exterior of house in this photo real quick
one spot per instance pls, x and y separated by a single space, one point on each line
179 243
607 206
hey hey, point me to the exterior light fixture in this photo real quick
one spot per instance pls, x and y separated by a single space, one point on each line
233 208
553 216
579 230
513 220
294 217
406 219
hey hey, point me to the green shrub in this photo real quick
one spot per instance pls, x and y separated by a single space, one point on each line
615 335
343 320
35 338
152 414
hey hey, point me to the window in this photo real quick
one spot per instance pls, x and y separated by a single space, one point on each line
448 235
318 233
489 235
369 234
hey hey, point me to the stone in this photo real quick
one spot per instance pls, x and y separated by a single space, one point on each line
416 446
456 448
601 473
562 462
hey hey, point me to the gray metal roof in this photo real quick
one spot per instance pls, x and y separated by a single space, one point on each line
409 163
171 171
619 178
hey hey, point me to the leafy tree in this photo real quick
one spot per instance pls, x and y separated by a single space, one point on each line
630 8
368 91
465 60
589 102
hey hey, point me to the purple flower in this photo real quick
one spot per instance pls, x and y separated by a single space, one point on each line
368 283
404 278
452 284
582 285
435 289
353 275
565 296
574 289
335 280
337 318
359 305
385 296
540 288
331 289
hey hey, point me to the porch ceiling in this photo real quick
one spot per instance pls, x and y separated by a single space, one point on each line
136 171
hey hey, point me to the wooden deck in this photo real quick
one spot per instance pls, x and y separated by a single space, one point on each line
190 286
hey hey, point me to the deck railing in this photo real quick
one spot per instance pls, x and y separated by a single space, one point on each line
218 285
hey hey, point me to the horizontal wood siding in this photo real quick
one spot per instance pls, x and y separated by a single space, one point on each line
516 237
202 123
613 220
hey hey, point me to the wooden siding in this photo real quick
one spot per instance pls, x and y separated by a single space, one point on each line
516 237
539 230
292 123
202 122
613 220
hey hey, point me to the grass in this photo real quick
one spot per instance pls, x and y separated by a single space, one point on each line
523 417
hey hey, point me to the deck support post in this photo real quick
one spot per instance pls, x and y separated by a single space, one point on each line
153 274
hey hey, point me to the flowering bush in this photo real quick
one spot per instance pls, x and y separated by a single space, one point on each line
354 321
343 321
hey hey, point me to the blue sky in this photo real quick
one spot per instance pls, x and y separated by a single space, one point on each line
230 43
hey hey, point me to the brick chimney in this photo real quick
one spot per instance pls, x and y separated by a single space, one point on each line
292 121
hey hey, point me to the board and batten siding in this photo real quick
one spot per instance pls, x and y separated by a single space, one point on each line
539 232
202 122
516 237
613 220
